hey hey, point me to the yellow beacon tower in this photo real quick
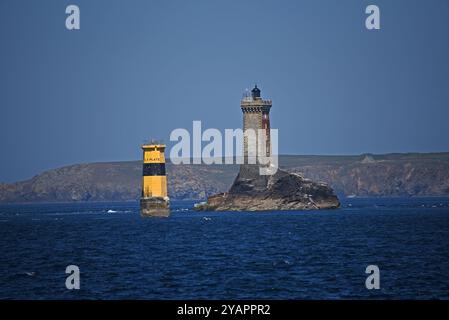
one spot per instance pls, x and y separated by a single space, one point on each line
154 200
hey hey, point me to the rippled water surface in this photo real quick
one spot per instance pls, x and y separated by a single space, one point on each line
206 255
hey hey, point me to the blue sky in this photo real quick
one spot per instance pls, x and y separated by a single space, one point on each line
139 69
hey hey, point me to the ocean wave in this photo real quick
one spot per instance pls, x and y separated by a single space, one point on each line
118 211
181 210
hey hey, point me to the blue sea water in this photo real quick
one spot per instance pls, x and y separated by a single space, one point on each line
207 255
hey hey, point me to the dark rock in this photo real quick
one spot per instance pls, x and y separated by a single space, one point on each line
281 191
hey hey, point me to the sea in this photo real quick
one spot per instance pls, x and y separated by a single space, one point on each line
321 254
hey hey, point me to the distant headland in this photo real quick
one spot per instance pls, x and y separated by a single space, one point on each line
387 175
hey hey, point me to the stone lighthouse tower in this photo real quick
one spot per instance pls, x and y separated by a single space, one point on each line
256 117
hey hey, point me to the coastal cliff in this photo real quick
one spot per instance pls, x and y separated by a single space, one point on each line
281 191
389 175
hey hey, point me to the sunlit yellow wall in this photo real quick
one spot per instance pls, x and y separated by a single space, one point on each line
154 185
153 153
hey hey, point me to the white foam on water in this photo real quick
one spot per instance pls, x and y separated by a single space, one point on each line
118 211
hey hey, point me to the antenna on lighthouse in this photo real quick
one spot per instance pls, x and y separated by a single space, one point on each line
246 95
